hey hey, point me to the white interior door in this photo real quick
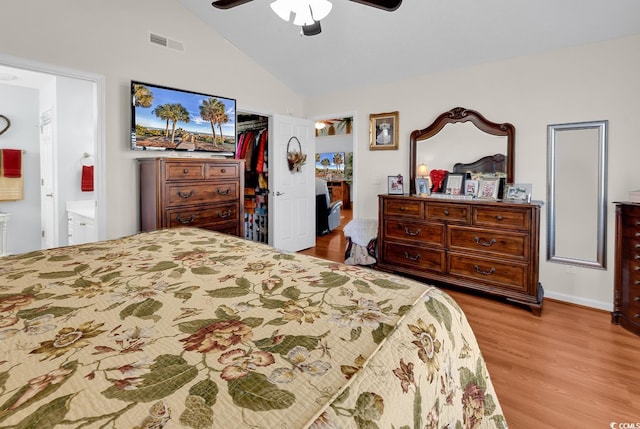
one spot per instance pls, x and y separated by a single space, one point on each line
292 212
47 184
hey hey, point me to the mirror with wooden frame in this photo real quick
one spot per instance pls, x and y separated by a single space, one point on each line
493 148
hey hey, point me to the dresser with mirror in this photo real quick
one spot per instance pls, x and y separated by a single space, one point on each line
485 245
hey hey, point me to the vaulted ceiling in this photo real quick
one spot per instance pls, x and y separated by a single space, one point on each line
361 46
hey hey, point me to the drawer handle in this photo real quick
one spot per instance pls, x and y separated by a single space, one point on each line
484 243
411 258
413 234
185 221
185 196
223 170
638 223
446 212
401 209
499 217
487 273
185 171
224 192
225 214
637 246
636 282
636 268
637 234
636 298
637 315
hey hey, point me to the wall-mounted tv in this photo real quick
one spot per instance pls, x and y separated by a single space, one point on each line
330 161
164 118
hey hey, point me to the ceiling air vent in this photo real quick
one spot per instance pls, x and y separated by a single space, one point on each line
156 39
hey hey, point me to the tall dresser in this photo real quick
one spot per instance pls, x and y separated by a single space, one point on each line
205 193
626 300
487 246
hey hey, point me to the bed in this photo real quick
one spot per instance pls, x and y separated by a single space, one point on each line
196 329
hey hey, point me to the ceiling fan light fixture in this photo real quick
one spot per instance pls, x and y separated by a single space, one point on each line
307 12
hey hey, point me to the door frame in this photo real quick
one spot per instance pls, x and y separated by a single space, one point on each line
99 143
354 149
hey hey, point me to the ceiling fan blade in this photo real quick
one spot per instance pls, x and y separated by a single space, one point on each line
228 4
388 5
312 29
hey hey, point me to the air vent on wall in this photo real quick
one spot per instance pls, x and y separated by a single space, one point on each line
156 39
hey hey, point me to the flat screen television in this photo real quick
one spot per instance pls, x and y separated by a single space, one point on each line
164 118
330 162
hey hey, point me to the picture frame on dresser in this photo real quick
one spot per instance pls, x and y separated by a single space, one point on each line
471 187
518 192
488 188
454 184
395 185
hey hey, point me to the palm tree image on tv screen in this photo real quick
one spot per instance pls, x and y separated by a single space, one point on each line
171 119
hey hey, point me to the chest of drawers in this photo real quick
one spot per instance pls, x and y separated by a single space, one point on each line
205 193
626 300
488 246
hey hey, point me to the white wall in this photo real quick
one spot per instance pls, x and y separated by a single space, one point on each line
593 82
110 38
20 105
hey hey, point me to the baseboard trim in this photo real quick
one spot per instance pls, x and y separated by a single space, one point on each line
599 305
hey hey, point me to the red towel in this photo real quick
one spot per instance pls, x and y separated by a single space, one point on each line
12 162
87 178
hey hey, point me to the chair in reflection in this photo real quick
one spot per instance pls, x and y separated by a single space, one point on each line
327 212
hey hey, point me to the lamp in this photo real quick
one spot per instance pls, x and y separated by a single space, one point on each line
306 12
424 188
320 125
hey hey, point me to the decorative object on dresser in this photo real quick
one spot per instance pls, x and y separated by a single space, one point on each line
626 300
484 245
487 246
205 193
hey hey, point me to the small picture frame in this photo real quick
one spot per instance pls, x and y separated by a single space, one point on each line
454 184
383 131
489 188
518 192
395 185
471 187
423 186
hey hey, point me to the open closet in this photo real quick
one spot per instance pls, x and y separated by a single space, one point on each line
252 137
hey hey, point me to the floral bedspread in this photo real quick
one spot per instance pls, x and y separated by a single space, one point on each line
192 328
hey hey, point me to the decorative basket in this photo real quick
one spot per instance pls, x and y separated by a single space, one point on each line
295 159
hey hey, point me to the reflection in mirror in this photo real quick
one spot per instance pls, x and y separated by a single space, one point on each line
460 142
576 193
460 136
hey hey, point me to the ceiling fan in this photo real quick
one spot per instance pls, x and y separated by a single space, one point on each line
308 13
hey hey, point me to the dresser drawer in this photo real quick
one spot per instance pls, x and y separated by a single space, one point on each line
497 273
184 171
414 257
403 207
223 171
631 227
447 212
502 218
505 244
202 192
426 233
202 216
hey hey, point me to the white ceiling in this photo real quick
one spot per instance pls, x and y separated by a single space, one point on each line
361 46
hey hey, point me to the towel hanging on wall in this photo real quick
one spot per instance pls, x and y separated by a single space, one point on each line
86 184
12 163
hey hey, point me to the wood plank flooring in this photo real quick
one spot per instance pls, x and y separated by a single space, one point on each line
569 368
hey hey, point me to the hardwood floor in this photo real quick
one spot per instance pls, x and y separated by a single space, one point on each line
569 368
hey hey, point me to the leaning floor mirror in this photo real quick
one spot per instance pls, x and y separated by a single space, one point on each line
576 193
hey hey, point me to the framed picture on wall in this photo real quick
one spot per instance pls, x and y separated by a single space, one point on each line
383 131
